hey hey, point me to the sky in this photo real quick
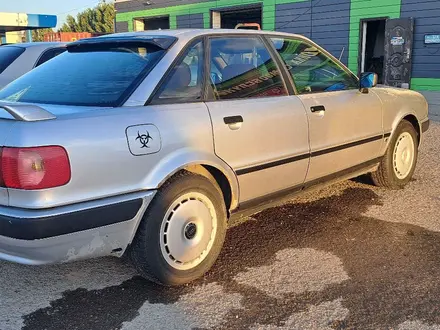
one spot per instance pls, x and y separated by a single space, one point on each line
61 8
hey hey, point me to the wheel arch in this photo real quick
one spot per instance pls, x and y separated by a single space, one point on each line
220 179
200 163
412 119
387 174
415 123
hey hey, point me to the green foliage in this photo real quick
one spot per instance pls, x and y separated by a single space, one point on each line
70 25
99 19
38 35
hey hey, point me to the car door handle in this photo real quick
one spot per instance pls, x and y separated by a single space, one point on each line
233 120
317 108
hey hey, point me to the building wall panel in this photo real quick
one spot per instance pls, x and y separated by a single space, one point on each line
426 58
190 21
326 22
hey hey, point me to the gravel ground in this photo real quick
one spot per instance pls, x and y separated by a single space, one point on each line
350 256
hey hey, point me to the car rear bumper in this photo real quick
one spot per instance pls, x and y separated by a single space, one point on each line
80 231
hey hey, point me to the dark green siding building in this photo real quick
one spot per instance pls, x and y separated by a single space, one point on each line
363 33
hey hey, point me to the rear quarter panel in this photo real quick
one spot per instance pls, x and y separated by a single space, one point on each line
101 162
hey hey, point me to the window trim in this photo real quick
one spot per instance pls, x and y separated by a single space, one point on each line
322 50
282 66
208 91
143 75
46 51
154 100
261 37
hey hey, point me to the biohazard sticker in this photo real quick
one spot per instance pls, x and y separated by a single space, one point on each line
143 139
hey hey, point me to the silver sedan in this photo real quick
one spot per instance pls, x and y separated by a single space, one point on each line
145 144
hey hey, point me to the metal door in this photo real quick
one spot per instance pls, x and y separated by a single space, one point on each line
259 130
264 140
345 130
398 52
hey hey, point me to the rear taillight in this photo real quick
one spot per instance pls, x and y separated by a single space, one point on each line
2 184
34 168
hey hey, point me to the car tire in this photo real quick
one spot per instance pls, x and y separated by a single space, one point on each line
399 163
182 232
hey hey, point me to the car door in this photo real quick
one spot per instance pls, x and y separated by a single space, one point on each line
345 124
259 130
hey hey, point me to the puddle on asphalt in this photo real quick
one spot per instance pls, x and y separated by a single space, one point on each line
380 274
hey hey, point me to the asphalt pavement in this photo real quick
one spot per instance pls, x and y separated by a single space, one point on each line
350 256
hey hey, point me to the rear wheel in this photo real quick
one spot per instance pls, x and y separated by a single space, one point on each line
183 231
398 165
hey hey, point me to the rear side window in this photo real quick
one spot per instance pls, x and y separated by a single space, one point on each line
9 54
242 67
49 54
87 77
184 84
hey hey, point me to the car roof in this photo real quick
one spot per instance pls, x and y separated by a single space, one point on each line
191 33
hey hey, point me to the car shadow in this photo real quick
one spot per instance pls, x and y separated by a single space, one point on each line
392 271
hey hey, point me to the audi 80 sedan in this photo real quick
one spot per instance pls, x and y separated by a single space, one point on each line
145 144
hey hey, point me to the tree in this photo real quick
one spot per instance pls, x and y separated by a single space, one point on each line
105 17
70 25
94 20
38 35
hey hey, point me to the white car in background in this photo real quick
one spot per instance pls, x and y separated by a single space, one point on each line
17 59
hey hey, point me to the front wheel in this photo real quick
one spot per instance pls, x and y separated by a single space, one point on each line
399 163
183 231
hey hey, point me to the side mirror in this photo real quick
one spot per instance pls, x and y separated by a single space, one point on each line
368 80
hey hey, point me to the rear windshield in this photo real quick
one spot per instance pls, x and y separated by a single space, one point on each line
9 54
87 77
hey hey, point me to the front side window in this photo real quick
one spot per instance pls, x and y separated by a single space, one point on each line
184 84
86 76
311 70
241 67
9 54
